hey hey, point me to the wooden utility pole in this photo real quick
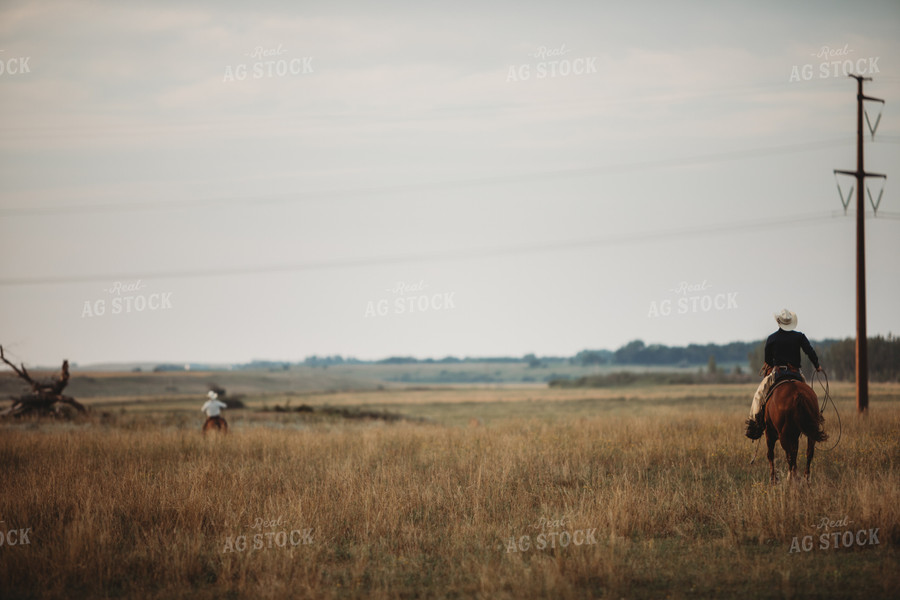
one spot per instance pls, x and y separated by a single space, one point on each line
862 361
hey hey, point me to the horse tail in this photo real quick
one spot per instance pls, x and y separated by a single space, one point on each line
811 423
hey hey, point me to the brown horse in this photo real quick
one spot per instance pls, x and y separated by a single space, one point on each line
216 423
793 409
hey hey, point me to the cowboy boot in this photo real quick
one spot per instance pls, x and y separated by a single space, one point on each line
755 427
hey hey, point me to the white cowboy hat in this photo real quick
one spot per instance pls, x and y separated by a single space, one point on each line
787 320
212 395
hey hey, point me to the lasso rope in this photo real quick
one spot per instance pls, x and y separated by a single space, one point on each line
756 451
826 397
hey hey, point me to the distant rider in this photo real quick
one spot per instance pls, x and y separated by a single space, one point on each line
212 407
782 360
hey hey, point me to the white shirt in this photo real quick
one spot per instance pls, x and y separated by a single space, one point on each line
212 407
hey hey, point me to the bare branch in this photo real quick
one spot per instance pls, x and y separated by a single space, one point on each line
72 402
62 380
23 373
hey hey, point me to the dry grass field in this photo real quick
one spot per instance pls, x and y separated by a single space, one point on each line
495 492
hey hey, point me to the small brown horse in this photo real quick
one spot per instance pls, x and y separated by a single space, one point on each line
793 409
216 423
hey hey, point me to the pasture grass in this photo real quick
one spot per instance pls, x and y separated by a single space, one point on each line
139 504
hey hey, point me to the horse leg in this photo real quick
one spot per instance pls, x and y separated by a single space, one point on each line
771 438
790 445
810 450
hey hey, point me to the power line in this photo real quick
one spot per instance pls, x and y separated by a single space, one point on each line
440 255
345 194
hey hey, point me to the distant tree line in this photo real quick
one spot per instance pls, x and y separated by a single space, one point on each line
837 356
639 353
327 361
320 361
839 360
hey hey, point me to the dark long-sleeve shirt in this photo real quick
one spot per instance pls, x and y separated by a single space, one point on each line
783 348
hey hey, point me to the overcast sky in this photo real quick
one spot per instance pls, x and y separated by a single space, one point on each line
277 181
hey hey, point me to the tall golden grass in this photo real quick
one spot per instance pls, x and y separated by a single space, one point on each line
145 508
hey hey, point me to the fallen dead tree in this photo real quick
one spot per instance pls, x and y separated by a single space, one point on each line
45 398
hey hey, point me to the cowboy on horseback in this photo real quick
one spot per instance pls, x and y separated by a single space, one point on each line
212 407
782 357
